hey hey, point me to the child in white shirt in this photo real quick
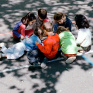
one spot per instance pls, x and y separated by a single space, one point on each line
84 34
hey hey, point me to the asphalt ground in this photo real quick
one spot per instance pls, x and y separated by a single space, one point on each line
58 77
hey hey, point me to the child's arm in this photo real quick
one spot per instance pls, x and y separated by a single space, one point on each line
69 23
55 27
21 32
16 34
46 49
81 37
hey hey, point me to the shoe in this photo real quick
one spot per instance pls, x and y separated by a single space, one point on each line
43 65
70 59
1 45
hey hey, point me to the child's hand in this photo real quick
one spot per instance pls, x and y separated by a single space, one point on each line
36 42
22 37
26 37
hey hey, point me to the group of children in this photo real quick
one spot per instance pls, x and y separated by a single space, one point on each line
46 38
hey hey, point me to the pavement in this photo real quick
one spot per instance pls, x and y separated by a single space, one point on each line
57 77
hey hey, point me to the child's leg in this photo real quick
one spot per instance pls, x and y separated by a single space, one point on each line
32 56
29 32
41 56
14 52
63 55
7 50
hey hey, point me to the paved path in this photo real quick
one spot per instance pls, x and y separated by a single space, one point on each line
15 75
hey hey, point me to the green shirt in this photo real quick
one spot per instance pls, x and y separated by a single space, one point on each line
67 43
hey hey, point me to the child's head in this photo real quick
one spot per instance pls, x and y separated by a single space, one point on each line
29 18
81 21
47 26
39 32
61 29
59 17
42 13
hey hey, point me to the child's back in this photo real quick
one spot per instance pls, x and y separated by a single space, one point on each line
68 43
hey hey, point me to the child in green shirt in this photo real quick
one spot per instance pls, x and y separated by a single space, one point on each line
67 43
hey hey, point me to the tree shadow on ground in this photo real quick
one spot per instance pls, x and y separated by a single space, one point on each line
51 75
12 11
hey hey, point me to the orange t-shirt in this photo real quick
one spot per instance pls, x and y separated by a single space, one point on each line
50 47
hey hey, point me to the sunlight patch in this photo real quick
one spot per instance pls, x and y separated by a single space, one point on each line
15 1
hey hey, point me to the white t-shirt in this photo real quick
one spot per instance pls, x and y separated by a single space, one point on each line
84 37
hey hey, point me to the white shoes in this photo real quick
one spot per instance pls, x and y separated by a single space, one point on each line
70 59
1 45
43 65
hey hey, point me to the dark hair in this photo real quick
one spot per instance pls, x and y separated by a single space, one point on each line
37 32
42 13
28 17
81 21
59 15
61 29
48 26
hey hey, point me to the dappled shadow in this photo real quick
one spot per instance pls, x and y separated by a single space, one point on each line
44 80
12 11
82 64
50 76
8 64
41 80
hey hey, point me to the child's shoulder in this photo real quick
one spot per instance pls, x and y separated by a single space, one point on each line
64 33
46 20
23 26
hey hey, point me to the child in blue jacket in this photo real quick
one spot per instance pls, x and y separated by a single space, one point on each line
18 49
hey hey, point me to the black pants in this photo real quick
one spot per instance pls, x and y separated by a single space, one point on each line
37 56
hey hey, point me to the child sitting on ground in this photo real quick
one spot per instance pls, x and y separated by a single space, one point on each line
84 34
50 45
18 49
20 31
61 20
67 44
41 18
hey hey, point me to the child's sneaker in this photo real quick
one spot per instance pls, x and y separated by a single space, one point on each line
70 59
43 65
1 45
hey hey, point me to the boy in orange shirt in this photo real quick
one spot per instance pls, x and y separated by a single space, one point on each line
51 43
